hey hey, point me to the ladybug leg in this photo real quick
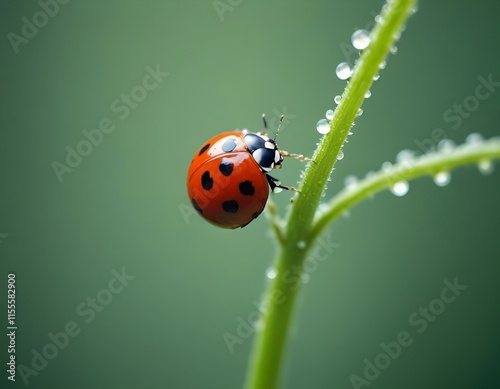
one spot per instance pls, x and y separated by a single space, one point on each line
300 157
276 186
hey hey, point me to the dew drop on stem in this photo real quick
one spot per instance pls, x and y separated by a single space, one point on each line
400 188
350 182
323 126
405 156
473 138
485 166
343 71
446 146
442 178
271 273
360 39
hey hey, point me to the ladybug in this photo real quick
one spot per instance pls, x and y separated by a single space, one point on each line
228 181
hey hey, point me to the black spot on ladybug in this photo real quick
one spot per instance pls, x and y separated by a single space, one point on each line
229 145
196 206
230 206
206 181
204 148
246 188
226 168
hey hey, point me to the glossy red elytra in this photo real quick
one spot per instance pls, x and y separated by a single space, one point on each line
228 181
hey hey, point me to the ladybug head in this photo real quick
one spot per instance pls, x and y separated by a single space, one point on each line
264 151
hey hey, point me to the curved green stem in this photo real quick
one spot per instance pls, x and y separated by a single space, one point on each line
427 164
268 351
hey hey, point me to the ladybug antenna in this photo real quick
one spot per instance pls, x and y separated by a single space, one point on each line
265 123
279 126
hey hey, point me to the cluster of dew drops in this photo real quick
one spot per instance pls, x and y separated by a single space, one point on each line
441 178
360 40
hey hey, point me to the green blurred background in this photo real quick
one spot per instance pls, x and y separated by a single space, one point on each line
125 207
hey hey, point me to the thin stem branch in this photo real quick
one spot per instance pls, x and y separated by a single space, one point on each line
427 164
275 221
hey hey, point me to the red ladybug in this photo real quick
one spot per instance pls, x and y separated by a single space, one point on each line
228 181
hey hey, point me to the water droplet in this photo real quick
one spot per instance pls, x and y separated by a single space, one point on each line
350 182
376 77
360 39
400 188
397 35
329 114
446 146
485 166
322 208
323 126
271 273
394 49
343 71
340 155
405 156
473 138
386 166
359 113
346 214
382 65
350 133
337 99
301 244
442 178
378 18
368 94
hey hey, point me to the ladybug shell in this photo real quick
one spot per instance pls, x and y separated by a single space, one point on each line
224 182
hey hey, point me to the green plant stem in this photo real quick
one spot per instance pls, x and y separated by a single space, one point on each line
427 164
270 341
